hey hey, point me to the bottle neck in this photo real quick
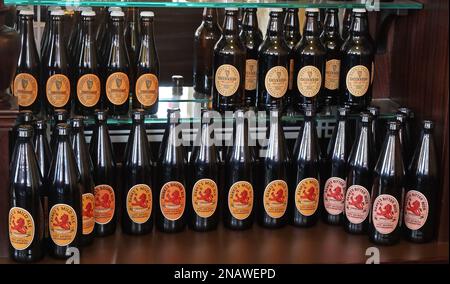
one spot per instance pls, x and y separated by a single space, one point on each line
230 26
360 24
147 30
312 25
56 30
210 16
274 29
88 29
241 133
26 29
206 139
332 23
291 19
117 30
250 21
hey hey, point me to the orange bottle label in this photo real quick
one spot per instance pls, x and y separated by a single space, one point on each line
307 196
118 88
63 223
58 90
309 81
276 81
25 88
332 71
275 198
357 80
251 68
139 203
204 197
87 213
147 89
21 228
104 204
172 200
227 80
240 200
88 90
385 213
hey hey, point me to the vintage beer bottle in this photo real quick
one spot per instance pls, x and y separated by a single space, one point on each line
404 139
117 69
42 147
105 37
206 36
26 219
358 53
73 38
378 130
309 63
84 164
137 193
359 179
336 170
146 92
59 116
132 32
273 65
172 166
238 197
291 30
46 34
305 199
387 190
104 174
205 184
26 81
64 197
251 36
346 23
229 66
421 189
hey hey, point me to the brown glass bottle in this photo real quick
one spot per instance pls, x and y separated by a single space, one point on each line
378 129
291 30
404 137
132 38
46 34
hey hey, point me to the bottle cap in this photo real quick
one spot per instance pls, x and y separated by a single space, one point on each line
57 13
231 9
342 111
309 110
101 115
428 124
77 121
409 113
365 117
277 10
26 12
173 115
206 115
24 7
25 131
26 116
117 14
112 9
393 125
177 84
239 114
61 115
138 114
275 112
359 10
401 117
83 8
312 10
62 129
54 8
41 124
374 110
147 14
88 14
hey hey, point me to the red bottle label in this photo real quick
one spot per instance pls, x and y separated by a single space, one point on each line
21 228
87 213
63 224
172 200
416 210
333 198
104 204
385 213
275 198
204 197
240 200
139 203
307 196
357 204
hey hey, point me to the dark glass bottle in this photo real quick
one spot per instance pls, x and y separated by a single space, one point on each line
404 137
73 40
46 34
132 32
26 219
59 116
409 124
346 23
291 30
25 117
378 130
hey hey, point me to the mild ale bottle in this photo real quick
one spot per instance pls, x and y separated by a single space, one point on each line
104 174
387 190
404 137
291 30
59 116
172 166
421 189
273 65
346 23
26 219
137 194
229 66
147 71
64 199
359 178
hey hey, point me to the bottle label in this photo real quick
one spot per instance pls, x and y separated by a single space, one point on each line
88 90
58 90
118 88
372 73
333 198
240 200
291 74
204 197
63 223
104 204
87 213
227 80
172 200
307 196
147 89
385 213
416 210
332 71
309 81
139 203
21 228
25 88
357 204
357 81
275 198
251 67
276 81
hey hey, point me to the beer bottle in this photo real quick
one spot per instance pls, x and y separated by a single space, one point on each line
104 174
147 70
137 194
204 187
238 197
404 139
291 30
172 166
378 130
26 81
206 36
273 65
46 34
305 198
251 37
387 190
359 178
25 220
272 198
84 164
421 189
229 66
59 116
309 63
105 38
16 24
409 122
64 199
332 41
346 23
132 36
358 53
75 31
117 69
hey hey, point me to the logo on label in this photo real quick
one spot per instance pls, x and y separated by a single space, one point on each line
357 204
416 210
21 228
385 213
275 198
147 89
88 90
139 203
240 200
276 81
87 213
58 90
172 200
291 73
309 81
307 196
118 88
251 67
104 204
332 71
227 80
204 197
63 224
357 80
333 198
25 88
